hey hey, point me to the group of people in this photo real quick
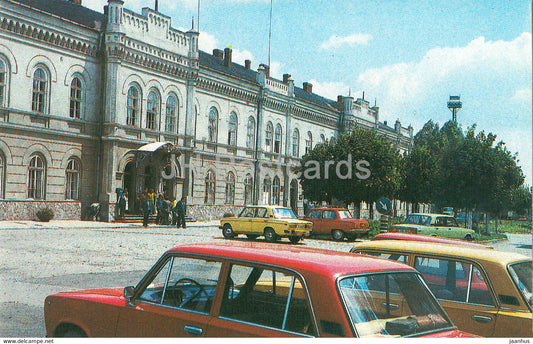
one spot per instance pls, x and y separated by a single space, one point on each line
168 212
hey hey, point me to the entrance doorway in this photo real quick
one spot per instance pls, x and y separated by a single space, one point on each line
294 196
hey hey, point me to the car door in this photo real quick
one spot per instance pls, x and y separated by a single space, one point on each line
260 220
175 301
329 222
462 290
260 301
315 216
245 220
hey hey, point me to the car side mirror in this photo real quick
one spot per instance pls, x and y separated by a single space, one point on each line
129 291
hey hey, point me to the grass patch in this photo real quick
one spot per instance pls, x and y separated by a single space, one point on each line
508 226
491 236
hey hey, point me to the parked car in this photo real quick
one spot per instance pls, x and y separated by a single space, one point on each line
426 238
485 292
337 223
434 224
240 289
272 222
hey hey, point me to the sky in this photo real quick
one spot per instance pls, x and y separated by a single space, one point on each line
408 57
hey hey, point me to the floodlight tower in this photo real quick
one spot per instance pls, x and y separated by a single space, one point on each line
454 104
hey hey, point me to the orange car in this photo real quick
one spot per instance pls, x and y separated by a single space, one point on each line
337 223
251 289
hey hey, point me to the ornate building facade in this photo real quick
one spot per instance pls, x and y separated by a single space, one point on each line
95 102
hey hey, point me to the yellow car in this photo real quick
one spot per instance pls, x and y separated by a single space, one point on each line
272 222
484 291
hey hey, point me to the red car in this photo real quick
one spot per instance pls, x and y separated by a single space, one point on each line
337 223
426 238
251 289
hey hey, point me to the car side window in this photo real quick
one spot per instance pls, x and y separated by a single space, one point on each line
247 212
267 297
402 258
261 213
315 214
454 281
440 221
184 283
329 215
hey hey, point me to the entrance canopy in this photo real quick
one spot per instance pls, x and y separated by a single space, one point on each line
167 147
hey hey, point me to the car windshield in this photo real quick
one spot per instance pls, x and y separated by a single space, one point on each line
391 304
283 213
521 274
345 214
418 220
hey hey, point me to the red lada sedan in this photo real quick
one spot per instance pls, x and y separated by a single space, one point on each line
240 289
337 223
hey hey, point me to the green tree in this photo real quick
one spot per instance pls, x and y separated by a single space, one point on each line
358 166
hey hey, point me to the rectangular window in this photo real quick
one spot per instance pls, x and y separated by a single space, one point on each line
266 297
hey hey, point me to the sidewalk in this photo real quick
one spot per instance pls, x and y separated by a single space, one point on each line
78 224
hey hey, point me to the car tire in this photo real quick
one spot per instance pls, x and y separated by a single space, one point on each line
227 231
252 236
294 239
337 235
270 235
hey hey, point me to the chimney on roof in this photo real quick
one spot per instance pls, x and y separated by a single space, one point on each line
219 54
308 87
77 2
227 57
247 64
266 69
286 77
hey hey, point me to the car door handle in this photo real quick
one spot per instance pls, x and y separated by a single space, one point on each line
193 330
391 305
481 319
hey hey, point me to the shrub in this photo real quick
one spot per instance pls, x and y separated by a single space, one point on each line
45 214
228 215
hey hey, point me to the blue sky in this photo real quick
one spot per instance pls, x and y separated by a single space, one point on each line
408 56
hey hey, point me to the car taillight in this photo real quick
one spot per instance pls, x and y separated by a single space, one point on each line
393 229
411 231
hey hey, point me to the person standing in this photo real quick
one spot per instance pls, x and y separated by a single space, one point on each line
145 202
181 209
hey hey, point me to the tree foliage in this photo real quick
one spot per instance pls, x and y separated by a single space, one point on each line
448 167
370 161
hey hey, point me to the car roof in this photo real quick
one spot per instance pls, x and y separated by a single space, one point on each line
266 206
431 214
327 208
450 250
426 238
331 263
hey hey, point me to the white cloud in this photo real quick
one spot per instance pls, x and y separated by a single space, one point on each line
522 95
355 39
330 90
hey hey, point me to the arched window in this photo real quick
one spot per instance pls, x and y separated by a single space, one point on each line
3 82
73 178
276 189
133 106
250 133
268 137
248 189
267 190
277 139
40 90
36 178
76 93
2 175
152 110
322 138
230 188
212 125
210 187
295 143
308 142
171 116
232 129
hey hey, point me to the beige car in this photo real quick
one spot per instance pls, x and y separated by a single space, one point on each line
272 222
484 291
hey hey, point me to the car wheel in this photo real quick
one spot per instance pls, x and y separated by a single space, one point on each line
337 235
227 231
294 239
270 235
468 238
251 236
